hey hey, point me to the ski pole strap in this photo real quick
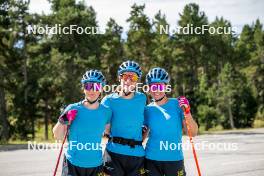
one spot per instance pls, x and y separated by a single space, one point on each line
123 141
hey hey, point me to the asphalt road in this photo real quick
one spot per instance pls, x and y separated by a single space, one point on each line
238 154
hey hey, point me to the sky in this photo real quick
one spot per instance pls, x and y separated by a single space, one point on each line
238 12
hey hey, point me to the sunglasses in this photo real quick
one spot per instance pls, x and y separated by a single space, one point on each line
131 77
92 86
157 87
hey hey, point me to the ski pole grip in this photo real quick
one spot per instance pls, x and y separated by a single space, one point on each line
183 108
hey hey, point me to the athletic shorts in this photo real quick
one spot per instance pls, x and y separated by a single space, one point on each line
69 169
164 168
123 165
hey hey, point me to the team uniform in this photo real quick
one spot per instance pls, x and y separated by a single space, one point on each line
125 144
165 130
83 156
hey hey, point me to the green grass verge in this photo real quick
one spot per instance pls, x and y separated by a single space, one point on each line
39 136
258 123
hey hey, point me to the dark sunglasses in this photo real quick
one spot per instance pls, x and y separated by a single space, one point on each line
92 86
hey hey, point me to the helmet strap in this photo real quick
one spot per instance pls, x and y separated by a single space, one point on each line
158 100
92 102
127 93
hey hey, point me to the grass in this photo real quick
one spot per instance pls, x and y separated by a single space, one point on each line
258 123
39 136
211 130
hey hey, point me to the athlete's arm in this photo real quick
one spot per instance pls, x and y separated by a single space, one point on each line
191 124
65 119
59 131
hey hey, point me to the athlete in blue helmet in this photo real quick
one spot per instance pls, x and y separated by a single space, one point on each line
87 120
164 121
124 146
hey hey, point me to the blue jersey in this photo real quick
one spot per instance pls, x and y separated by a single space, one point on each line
85 135
127 120
165 135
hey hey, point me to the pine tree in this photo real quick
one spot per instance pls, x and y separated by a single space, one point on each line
257 61
235 99
66 57
5 52
112 50
189 52
138 45
163 48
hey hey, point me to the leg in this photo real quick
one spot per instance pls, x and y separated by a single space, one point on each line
114 165
153 168
69 169
96 171
174 168
134 166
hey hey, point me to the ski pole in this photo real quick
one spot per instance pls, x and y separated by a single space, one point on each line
191 141
58 160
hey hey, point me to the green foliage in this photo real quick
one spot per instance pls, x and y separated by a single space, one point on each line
139 37
112 50
221 74
235 99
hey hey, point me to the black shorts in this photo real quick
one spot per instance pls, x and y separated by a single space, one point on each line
124 165
69 169
164 168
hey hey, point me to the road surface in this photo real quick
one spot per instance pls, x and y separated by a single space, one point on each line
239 153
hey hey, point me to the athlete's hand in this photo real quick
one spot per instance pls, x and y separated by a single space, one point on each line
68 117
184 103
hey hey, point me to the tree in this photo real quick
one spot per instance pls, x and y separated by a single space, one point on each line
4 55
163 48
139 45
235 99
15 67
112 50
251 45
25 93
221 74
80 51
221 50
63 58
257 61
189 52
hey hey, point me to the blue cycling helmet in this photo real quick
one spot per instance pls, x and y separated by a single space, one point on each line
157 75
93 76
130 66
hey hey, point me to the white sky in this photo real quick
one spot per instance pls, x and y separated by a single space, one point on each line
239 12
